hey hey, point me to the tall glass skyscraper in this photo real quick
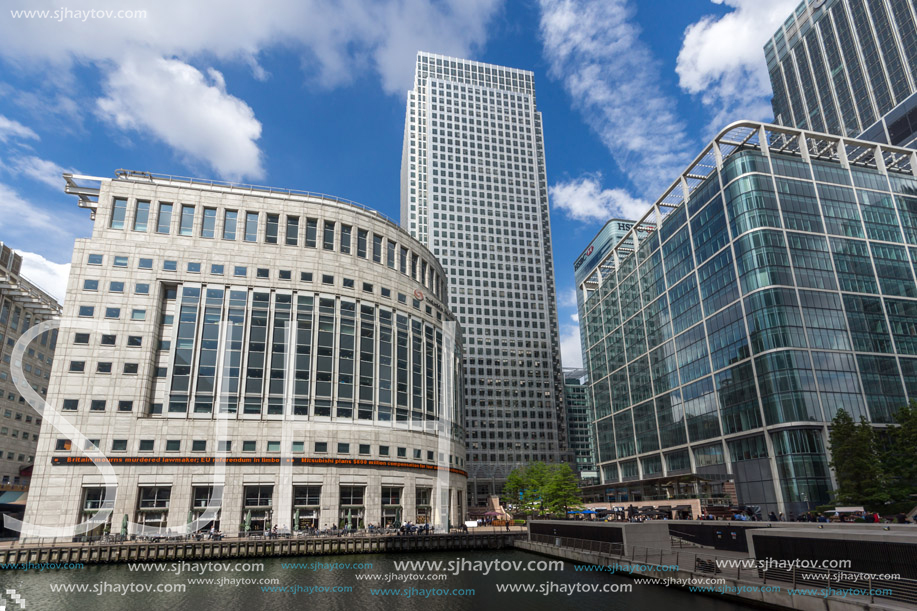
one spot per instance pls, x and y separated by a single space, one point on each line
579 424
778 288
474 191
848 67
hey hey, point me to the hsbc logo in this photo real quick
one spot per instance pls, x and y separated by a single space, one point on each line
589 250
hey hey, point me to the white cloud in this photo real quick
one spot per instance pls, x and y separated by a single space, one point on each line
567 298
19 214
584 199
192 114
47 275
574 318
594 47
571 351
722 59
41 170
10 129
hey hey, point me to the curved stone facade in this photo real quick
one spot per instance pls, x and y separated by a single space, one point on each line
297 344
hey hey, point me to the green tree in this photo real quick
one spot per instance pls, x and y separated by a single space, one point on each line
899 458
561 490
856 462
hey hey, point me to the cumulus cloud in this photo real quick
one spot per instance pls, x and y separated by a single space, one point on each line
19 214
41 170
191 113
594 48
571 351
584 199
722 59
47 275
10 129
567 298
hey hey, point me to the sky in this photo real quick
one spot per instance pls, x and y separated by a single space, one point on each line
310 95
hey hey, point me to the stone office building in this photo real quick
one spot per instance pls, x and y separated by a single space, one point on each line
235 351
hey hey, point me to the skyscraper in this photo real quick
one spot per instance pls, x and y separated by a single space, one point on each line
474 191
778 288
848 67
580 428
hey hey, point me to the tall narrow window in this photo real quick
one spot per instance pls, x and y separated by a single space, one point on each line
164 222
187 220
328 236
345 239
391 248
311 232
118 213
251 227
273 227
229 224
292 230
361 243
208 228
142 216
377 248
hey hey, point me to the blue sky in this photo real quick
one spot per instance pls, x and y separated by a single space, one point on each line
310 95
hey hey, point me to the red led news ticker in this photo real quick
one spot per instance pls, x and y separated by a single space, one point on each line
248 460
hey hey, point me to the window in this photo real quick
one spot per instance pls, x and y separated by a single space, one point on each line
402 452
125 406
208 227
230 217
186 223
134 341
131 368
377 248
240 271
311 232
103 367
90 285
273 446
321 447
272 228
364 448
119 445
170 266
77 366
251 227
263 272
71 405
93 444
328 236
216 269
194 267
137 314
173 445
285 274
343 448
146 445
345 239
367 287
112 312
120 261
361 243
164 222
142 216
224 445
62 445
118 212
109 340
97 405
348 283
327 279
292 234
142 288
145 264
305 276
417 454
298 446
249 446
94 259
199 445
116 287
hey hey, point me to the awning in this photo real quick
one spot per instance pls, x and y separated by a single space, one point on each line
12 497
682 508
848 509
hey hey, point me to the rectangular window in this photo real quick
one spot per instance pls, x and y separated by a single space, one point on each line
343 448
116 287
273 446
71 405
311 232
240 271
173 445
292 235
230 219
328 236
345 239
87 311
97 405
146 445
377 248
81 338
199 445
125 406
90 285
109 340
361 243
62 445
164 222
112 312
321 447
249 446
142 288
194 267
186 223
118 213
94 259
145 264
209 226
138 314
169 265
120 261
77 366
119 445
141 216
305 276
272 229
216 269
251 227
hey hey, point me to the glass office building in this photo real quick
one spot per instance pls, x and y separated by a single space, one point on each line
474 191
848 67
579 424
779 288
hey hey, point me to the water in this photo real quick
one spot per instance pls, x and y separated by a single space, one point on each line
105 585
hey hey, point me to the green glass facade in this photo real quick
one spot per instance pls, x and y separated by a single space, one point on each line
779 287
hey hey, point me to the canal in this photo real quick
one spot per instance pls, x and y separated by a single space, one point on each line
464 581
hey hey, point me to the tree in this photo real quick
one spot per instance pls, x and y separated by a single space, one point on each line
899 458
538 488
856 462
